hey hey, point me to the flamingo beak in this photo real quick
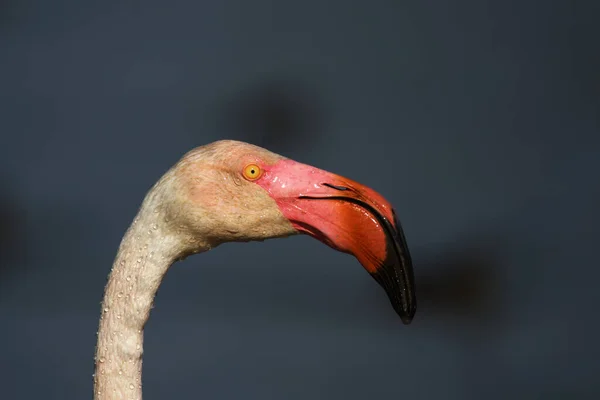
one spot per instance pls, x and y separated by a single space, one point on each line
350 218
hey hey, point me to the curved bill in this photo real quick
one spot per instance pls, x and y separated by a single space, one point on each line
351 218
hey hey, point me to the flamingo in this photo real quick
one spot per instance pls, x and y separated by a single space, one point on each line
231 191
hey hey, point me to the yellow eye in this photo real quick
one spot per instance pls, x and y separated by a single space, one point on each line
252 172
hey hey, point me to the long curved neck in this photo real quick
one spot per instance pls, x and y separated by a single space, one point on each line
145 254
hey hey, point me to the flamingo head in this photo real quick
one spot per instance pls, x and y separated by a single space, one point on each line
231 191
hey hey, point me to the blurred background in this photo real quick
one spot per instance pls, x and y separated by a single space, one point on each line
478 120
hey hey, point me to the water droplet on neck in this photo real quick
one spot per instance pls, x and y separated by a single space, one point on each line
120 294
131 386
155 226
120 372
102 359
128 278
105 309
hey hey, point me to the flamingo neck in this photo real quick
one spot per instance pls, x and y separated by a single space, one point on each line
146 252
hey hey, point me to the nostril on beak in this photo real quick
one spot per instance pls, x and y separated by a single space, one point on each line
340 188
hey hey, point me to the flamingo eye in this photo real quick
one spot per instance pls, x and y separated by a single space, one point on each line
252 172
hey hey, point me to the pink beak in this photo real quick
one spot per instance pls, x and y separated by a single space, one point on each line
348 217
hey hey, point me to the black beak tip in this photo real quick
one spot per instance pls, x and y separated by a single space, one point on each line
407 315
400 292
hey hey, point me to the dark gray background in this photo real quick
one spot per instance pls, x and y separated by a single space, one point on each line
478 120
